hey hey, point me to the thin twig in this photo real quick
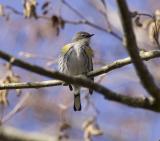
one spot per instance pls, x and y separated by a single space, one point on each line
131 46
139 102
84 21
145 14
39 70
87 22
19 106
73 9
94 26
104 13
44 72
15 11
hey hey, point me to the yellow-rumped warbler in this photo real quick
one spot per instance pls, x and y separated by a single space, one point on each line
76 58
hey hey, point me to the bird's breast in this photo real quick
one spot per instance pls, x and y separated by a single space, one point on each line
77 61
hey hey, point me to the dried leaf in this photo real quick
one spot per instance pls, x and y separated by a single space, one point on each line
137 22
133 14
64 126
153 27
9 78
30 8
45 12
57 23
146 23
91 128
12 78
157 14
45 5
63 131
3 97
55 20
62 23
153 31
1 10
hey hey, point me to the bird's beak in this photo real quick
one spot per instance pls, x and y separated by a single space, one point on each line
91 35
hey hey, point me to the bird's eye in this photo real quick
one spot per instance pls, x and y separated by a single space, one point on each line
83 35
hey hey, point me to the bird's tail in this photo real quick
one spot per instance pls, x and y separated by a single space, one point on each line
77 102
90 90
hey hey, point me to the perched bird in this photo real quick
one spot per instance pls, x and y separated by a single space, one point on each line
76 59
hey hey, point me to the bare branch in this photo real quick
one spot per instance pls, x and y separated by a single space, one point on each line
139 102
123 62
87 22
131 46
27 66
94 26
73 9
134 102
19 106
13 134
14 10
44 72
39 70
25 85
83 21
104 12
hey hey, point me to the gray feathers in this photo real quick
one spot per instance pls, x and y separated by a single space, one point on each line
75 60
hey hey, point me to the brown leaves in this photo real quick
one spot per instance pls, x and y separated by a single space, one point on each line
2 10
151 24
45 7
53 22
137 22
58 23
91 128
154 27
10 77
30 8
3 97
63 131
136 17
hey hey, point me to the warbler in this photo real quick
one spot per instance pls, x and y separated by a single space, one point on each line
76 59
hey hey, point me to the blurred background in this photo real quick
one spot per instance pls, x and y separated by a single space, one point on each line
39 40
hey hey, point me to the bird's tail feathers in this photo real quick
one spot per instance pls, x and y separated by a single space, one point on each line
77 102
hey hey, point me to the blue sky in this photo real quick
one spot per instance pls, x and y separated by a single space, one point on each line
114 119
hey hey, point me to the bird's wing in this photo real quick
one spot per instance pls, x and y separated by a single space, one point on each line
90 55
62 58
89 51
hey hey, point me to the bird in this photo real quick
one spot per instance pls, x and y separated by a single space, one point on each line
76 59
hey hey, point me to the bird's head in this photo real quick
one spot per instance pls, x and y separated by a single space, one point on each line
82 36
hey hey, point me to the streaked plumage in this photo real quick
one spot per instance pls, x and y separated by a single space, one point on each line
76 58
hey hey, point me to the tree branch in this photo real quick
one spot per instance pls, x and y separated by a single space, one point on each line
87 22
131 46
41 71
123 62
83 21
139 102
12 134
